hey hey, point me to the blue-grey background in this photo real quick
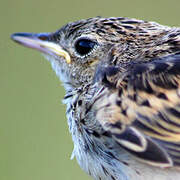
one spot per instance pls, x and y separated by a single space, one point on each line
34 139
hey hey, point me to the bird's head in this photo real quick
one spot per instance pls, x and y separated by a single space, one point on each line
78 48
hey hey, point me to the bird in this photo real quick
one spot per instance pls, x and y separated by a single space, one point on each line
122 82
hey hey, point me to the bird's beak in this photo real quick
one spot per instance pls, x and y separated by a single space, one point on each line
41 43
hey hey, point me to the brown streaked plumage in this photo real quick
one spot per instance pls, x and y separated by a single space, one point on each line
149 104
122 81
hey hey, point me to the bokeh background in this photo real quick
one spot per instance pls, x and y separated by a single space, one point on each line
34 140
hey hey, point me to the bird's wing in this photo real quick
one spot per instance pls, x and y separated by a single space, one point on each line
142 109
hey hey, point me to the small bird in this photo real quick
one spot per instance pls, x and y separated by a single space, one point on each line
122 82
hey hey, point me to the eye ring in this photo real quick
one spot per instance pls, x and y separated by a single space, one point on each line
84 46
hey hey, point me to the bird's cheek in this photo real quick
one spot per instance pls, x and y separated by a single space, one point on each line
93 62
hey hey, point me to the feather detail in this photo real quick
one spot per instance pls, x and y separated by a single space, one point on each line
142 111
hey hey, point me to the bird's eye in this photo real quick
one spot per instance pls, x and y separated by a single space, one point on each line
84 46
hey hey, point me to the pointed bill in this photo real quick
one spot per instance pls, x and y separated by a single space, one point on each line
41 43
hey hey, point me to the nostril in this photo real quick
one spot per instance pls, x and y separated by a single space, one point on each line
43 36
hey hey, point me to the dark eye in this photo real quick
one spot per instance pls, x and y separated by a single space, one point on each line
84 46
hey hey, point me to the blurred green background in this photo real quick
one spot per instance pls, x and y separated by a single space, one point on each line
34 140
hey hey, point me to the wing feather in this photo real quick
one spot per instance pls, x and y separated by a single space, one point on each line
142 109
